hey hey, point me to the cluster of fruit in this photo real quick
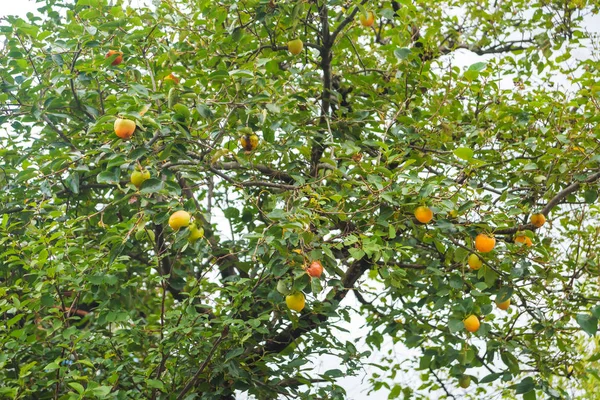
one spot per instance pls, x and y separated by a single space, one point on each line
484 243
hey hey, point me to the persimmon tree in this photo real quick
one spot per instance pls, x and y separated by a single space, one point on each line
282 160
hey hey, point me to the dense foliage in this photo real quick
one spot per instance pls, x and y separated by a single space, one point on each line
101 298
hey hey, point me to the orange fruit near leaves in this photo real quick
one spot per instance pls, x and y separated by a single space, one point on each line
315 269
526 240
179 219
484 243
474 262
423 214
464 381
124 128
118 60
295 301
504 305
471 323
139 177
367 20
249 142
538 220
295 46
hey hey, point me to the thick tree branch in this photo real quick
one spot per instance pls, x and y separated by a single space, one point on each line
311 321
556 200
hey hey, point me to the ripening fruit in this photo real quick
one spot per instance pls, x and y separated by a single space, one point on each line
504 305
474 262
295 301
143 234
423 214
295 46
464 381
179 219
249 142
315 269
171 77
195 233
471 323
139 177
526 240
124 128
484 243
118 60
538 220
367 20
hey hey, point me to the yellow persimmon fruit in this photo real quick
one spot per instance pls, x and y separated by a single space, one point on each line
526 240
295 301
124 128
474 262
538 220
423 214
484 243
179 219
471 323
295 46
367 20
504 305
249 142
139 177
195 233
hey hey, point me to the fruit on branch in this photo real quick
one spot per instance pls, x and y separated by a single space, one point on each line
138 177
295 46
295 301
118 59
195 233
179 219
248 140
367 19
124 128
423 214
464 381
504 305
143 234
526 240
484 243
315 269
471 323
538 220
474 262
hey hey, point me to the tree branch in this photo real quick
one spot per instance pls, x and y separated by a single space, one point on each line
556 200
287 336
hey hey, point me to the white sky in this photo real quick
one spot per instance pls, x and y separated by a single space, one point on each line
356 387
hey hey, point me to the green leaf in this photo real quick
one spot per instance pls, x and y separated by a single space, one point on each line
590 196
455 325
78 387
491 377
525 386
479 66
588 323
152 185
101 391
402 53
155 384
72 182
108 177
334 373
464 153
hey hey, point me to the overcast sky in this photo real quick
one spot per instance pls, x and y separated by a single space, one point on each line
356 387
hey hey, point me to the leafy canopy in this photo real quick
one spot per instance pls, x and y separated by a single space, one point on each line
100 298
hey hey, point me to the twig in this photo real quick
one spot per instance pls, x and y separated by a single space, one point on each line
194 379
